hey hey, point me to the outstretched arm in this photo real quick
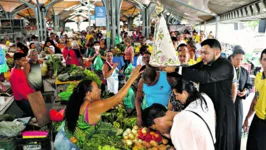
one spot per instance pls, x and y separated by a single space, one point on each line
102 106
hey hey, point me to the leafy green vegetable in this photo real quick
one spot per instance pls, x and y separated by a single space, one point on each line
103 137
54 61
10 62
92 76
76 73
119 118
71 87
63 77
106 147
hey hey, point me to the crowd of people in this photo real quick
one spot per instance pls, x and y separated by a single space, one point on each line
197 104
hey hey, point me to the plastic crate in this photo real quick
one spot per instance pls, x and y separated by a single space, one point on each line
33 143
7 144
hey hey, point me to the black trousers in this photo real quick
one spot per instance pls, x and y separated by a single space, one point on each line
24 105
239 120
257 135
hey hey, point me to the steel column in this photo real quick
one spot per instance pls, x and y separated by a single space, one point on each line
118 11
108 31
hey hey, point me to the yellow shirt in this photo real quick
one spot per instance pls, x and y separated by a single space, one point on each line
196 38
138 48
88 36
7 43
191 62
199 59
260 86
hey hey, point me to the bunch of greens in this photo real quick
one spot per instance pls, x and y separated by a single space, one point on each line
63 77
71 87
119 118
107 147
76 73
54 61
103 135
10 62
92 76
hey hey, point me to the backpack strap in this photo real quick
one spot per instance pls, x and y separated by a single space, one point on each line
205 124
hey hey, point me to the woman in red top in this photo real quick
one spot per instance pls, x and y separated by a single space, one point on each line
129 53
76 58
72 54
66 53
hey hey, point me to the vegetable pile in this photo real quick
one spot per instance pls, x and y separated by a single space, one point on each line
143 138
103 136
119 118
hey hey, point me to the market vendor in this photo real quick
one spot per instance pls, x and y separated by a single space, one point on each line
32 70
84 110
196 121
110 73
19 84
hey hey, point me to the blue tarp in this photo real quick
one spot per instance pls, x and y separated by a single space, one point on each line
119 60
121 63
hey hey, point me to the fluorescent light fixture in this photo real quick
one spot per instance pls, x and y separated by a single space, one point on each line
187 14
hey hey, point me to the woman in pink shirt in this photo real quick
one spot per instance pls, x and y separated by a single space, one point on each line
19 84
129 53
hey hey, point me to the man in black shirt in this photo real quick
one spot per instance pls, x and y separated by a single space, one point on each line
215 75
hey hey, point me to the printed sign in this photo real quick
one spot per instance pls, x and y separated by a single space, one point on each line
100 16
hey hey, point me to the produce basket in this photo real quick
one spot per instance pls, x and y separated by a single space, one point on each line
64 95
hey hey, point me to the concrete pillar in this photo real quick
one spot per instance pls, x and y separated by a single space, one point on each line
217 26
113 6
56 22
62 24
130 23
108 31
118 11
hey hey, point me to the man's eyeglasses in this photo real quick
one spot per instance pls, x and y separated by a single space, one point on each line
147 57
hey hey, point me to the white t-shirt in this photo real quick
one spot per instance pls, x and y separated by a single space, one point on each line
150 42
140 61
189 132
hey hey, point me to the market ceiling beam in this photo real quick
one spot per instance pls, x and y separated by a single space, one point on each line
3 12
18 9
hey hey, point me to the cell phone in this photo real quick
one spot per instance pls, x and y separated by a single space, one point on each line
142 68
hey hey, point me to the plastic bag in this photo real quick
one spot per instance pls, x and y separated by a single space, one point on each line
3 68
2 56
11 129
98 63
129 100
117 40
129 69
